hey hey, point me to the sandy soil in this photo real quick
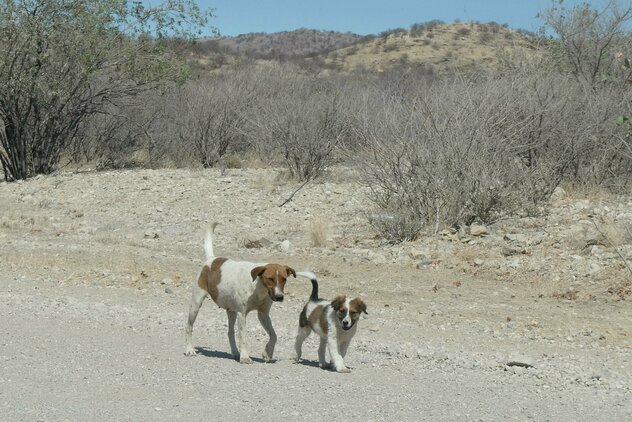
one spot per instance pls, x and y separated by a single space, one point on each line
95 275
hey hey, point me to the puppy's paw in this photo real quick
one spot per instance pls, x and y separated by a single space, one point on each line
266 358
343 370
325 365
245 359
189 351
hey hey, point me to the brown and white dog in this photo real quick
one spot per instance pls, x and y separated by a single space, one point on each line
336 322
239 287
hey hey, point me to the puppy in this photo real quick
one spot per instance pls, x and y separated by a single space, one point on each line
336 323
239 287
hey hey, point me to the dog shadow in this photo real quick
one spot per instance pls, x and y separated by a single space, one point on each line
312 363
206 352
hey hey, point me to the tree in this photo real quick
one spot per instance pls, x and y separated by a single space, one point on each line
65 61
589 39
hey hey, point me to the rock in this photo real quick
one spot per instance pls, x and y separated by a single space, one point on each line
594 269
510 251
169 290
257 244
514 237
558 194
424 263
600 373
478 230
522 361
285 246
478 262
418 254
593 237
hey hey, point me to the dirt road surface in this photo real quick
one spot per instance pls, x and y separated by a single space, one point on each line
95 275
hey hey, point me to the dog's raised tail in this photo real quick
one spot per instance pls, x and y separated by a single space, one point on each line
312 277
208 240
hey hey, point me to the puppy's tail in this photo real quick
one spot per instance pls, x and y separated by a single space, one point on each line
208 241
312 277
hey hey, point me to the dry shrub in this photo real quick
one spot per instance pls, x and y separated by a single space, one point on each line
462 151
302 123
570 294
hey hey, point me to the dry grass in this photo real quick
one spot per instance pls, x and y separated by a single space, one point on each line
318 231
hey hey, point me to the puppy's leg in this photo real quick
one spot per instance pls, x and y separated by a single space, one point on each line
232 317
266 323
197 298
322 352
343 348
336 358
244 356
303 333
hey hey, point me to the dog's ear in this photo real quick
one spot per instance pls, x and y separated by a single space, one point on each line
290 270
257 271
337 303
360 304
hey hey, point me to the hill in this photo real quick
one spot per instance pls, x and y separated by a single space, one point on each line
437 47
441 48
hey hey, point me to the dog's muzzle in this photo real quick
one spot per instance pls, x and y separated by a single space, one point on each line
278 298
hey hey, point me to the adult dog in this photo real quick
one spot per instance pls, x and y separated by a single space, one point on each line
239 287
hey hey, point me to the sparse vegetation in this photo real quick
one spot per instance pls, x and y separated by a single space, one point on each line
436 150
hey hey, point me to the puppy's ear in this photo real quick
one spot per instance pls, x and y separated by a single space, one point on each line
337 303
290 270
257 271
360 304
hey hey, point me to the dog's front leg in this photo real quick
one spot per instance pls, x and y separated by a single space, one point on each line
244 356
266 323
336 358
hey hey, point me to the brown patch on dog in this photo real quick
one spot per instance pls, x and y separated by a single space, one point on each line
357 305
338 302
318 316
211 277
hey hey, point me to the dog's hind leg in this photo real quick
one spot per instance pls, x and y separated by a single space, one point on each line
244 356
232 317
303 333
197 298
322 352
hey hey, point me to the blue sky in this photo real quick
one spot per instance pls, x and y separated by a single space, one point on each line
234 17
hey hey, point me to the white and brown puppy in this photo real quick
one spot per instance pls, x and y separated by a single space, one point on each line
336 322
239 287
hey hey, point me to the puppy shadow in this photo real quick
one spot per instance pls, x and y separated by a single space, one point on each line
206 352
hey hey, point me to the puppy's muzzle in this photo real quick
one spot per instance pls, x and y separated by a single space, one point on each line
278 298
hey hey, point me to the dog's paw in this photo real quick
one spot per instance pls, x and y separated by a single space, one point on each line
189 352
326 365
245 359
266 358
343 370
